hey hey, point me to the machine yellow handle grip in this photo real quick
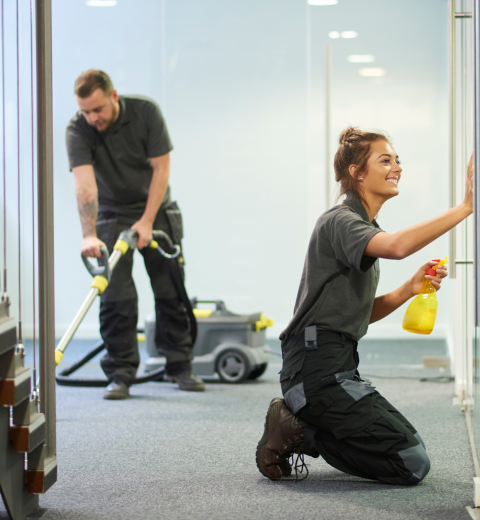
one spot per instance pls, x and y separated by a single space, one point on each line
100 283
58 357
202 313
122 246
263 323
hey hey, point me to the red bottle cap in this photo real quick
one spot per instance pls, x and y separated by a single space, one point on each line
431 271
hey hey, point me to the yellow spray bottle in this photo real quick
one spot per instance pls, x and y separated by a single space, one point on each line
422 311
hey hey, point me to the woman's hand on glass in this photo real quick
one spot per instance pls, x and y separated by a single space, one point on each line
468 201
416 281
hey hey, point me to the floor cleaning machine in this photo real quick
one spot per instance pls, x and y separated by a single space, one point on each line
232 345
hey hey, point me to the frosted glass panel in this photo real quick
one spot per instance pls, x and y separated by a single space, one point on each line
392 76
242 87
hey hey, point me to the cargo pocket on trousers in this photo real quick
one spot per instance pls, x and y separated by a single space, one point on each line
355 422
106 233
321 403
292 387
355 387
175 221
291 368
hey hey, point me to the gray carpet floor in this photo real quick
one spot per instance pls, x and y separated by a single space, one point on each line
168 454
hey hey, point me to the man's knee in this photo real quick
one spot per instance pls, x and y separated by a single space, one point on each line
416 461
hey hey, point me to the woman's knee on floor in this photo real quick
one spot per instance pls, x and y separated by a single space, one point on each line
413 466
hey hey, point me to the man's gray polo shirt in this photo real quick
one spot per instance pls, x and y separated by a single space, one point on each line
339 281
120 156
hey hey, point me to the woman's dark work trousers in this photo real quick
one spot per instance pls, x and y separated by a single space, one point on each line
350 424
119 309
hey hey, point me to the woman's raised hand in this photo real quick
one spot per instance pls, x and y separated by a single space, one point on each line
469 184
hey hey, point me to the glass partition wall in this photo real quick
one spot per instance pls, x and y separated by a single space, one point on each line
362 77
463 239
475 426
242 87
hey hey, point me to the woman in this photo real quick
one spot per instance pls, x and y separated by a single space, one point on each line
328 408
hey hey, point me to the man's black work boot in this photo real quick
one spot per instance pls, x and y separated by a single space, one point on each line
283 435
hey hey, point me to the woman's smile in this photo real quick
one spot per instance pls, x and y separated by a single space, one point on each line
383 166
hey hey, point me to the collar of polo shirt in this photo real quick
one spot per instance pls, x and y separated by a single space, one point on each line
353 202
123 117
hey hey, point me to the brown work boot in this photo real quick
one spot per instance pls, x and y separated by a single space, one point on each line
188 381
283 435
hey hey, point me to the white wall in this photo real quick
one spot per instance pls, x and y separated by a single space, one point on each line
235 91
231 78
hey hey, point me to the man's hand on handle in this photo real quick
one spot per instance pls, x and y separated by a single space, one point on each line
144 229
91 247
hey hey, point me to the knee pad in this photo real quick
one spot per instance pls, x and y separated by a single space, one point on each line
417 461
420 440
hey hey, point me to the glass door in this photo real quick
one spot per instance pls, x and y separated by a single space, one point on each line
462 243
461 252
476 343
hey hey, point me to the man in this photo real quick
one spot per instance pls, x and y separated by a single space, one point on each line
118 148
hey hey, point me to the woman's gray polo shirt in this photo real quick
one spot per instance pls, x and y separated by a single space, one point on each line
120 156
339 281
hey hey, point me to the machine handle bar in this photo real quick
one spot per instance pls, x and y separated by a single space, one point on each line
219 304
101 270
157 234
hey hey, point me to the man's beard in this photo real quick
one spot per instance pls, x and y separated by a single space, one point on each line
109 123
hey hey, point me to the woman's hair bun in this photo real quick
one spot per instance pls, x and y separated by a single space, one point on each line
347 134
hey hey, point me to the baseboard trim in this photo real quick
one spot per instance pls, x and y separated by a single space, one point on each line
468 417
375 331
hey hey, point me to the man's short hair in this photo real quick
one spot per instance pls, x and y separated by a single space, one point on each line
90 80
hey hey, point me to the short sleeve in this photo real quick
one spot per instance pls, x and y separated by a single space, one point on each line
349 235
80 151
158 140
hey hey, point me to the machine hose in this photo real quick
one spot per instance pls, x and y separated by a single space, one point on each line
156 375
63 379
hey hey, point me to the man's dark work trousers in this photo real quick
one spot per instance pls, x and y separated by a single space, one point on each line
119 309
350 424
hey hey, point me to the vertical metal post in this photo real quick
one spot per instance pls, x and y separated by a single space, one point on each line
163 36
328 184
43 15
312 205
476 38
453 133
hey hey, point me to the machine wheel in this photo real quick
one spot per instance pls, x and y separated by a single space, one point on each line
233 366
258 371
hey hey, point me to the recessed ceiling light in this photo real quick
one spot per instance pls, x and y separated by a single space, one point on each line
323 2
334 34
361 58
372 72
101 3
349 34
